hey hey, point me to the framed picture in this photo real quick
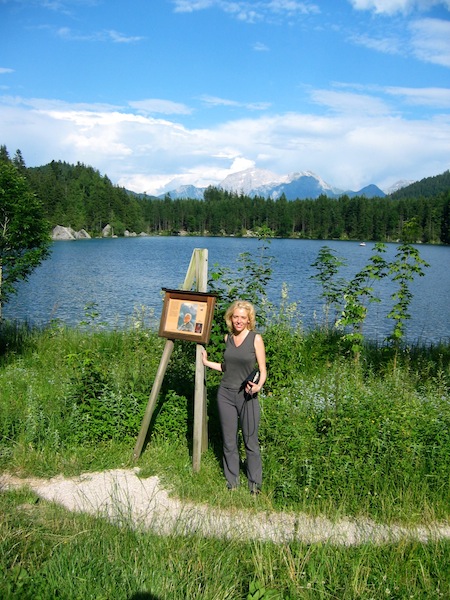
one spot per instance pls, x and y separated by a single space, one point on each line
187 315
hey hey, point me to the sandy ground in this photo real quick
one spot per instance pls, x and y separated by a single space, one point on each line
123 497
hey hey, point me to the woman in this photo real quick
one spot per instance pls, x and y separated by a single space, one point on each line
237 398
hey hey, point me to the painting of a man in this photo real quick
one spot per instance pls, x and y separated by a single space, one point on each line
187 324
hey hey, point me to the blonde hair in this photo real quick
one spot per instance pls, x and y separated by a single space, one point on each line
246 306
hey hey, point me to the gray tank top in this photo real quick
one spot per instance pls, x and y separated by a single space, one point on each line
239 361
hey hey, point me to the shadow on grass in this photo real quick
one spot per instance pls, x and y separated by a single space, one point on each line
14 337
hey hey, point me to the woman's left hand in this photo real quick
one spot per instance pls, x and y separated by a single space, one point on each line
252 388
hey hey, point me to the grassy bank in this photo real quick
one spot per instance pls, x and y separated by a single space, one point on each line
49 553
366 438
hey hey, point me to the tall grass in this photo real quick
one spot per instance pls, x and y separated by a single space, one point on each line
354 438
366 439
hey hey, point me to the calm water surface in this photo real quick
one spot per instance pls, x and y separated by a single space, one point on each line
120 275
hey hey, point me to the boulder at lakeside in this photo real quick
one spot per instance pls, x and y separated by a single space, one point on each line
61 233
67 233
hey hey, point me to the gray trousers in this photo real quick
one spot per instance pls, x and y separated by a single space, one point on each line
234 410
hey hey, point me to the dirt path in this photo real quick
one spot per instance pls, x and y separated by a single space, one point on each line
123 497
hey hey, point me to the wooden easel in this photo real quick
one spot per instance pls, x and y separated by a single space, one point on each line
197 273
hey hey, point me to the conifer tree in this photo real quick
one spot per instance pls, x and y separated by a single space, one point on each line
24 237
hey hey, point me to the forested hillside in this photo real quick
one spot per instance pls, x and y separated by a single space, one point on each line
425 188
78 196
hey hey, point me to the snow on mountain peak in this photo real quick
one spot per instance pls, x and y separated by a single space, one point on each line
323 184
245 181
398 185
260 182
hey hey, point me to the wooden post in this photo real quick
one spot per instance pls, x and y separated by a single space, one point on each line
199 411
200 442
197 272
168 348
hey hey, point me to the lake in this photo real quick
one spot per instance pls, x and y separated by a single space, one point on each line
120 275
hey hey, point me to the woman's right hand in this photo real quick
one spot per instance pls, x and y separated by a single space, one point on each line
204 357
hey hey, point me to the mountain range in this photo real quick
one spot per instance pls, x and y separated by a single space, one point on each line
301 185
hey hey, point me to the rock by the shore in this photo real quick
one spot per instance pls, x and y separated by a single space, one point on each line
61 233
82 235
67 233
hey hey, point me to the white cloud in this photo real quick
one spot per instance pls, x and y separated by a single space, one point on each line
428 97
292 7
260 47
431 41
387 44
384 6
390 7
433 97
121 38
192 5
4 70
216 101
109 35
426 39
156 105
52 104
357 143
60 6
251 11
347 102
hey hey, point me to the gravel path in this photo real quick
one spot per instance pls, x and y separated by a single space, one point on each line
123 497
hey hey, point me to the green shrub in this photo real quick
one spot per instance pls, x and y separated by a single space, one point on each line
355 442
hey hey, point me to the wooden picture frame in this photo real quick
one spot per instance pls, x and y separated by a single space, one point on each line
187 315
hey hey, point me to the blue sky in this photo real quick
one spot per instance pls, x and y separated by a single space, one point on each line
162 93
